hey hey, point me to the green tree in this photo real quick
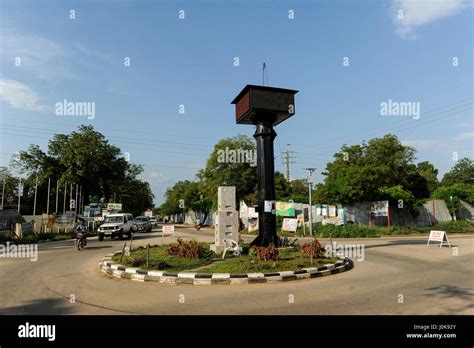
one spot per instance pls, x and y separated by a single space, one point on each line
11 188
85 157
360 172
454 193
221 172
430 173
461 173
282 187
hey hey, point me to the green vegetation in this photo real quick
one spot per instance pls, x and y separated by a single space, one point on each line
454 193
201 195
161 260
356 231
290 259
86 158
461 173
380 169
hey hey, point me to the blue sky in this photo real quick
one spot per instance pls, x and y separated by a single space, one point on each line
190 61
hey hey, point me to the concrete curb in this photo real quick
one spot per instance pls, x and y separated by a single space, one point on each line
117 271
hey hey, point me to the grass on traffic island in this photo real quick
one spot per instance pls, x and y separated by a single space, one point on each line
289 259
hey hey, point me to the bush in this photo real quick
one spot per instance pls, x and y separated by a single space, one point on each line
348 231
269 253
136 261
189 248
312 249
454 226
161 265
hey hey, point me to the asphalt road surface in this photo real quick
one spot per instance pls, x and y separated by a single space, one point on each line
399 275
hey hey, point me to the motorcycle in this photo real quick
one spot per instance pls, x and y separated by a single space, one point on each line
81 235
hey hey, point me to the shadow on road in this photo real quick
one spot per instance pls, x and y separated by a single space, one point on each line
97 247
450 291
42 306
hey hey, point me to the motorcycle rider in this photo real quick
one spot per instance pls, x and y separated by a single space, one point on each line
81 228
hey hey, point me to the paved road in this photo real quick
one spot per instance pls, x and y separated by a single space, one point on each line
430 280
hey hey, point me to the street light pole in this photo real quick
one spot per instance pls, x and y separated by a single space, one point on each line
3 189
19 194
36 192
47 202
310 172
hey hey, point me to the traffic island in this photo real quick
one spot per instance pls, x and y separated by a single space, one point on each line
111 267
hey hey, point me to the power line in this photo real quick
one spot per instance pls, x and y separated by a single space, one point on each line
416 123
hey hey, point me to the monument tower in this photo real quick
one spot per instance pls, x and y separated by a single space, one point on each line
265 107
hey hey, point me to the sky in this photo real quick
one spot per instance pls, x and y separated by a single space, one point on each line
142 62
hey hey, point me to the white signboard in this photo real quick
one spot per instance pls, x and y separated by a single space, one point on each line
149 213
269 207
438 236
289 225
252 213
168 229
324 210
114 206
379 208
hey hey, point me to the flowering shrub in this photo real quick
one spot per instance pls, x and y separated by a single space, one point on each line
265 253
186 248
312 249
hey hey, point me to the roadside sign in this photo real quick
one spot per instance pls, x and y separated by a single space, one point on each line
285 209
438 236
289 225
379 208
72 204
168 229
149 213
114 206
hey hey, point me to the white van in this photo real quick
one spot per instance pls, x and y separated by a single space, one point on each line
116 225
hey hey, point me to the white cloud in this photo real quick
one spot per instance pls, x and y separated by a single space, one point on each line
417 13
44 58
20 95
465 136
47 59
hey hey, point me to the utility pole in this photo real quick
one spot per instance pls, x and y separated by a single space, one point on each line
57 192
3 189
310 172
76 202
47 203
80 197
36 192
19 194
70 197
64 202
287 157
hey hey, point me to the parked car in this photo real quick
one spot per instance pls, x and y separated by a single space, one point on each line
143 224
116 225
153 222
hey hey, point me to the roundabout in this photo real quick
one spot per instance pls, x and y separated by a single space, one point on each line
61 274
115 270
